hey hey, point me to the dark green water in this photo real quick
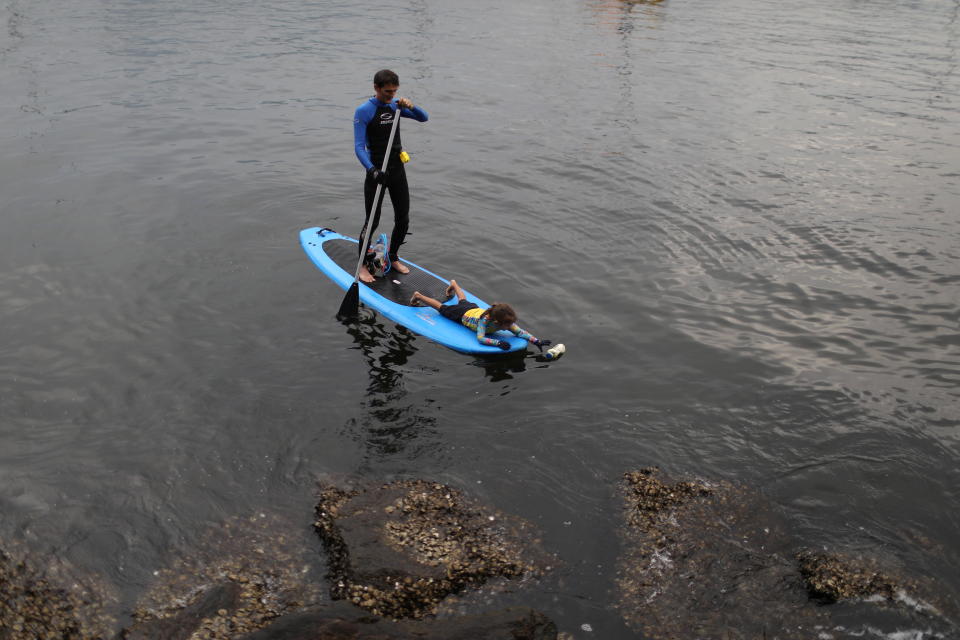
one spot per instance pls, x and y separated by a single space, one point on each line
741 218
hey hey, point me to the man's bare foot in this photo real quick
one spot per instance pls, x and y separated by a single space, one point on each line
399 266
365 275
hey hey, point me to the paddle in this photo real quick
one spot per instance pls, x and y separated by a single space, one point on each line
350 307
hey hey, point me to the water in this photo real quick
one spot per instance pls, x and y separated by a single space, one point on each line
740 218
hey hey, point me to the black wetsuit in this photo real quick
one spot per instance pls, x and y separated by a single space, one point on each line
371 132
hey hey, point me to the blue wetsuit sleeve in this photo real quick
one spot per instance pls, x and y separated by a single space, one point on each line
416 113
361 118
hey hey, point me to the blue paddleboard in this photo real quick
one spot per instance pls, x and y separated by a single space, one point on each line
336 256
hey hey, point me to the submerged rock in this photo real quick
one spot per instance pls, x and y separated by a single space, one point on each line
706 560
44 603
245 574
204 611
398 549
831 577
343 621
714 559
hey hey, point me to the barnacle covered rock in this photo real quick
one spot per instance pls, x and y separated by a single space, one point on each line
831 577
245 573
343 621
716 560
706 559
41 600
398 549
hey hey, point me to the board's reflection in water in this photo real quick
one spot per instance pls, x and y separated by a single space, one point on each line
391 422
501 368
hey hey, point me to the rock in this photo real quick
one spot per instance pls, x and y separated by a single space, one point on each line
830 577
210 603
244 574
48 603
714 559
398 549
707 559
342 621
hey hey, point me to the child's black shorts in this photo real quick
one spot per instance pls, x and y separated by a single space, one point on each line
455 311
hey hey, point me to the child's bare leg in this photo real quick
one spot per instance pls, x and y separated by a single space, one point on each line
454 288
427 300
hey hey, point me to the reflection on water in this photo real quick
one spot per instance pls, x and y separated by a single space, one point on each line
621 19
621 15
499 369
396 344
390 422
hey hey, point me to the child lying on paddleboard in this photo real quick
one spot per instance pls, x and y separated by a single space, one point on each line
500 316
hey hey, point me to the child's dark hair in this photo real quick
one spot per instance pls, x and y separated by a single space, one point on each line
501 313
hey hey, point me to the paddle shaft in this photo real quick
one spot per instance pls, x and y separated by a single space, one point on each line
368 228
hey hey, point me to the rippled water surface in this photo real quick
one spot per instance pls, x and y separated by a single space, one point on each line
741 218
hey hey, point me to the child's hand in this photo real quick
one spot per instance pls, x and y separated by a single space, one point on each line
503 344
540 344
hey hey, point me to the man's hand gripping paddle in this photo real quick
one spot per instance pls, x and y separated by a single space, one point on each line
350 307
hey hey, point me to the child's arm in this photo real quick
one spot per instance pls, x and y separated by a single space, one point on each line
482 334
520 333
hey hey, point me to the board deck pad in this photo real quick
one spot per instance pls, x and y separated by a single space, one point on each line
336 256
394 286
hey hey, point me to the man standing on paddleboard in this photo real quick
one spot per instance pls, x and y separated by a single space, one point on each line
372 124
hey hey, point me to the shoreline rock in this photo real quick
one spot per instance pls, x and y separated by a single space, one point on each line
41 603
344 621
716 559
706 559
831 577
398 549
244 574
419 559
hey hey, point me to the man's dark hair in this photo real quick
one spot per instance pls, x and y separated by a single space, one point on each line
384 77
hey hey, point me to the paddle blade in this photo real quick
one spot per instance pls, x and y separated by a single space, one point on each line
350 307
